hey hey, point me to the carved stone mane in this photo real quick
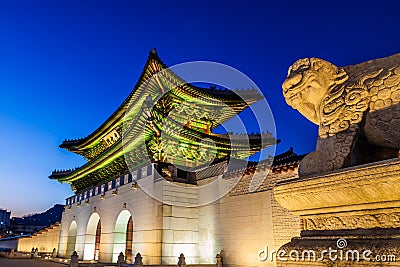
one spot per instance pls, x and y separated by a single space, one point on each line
345 104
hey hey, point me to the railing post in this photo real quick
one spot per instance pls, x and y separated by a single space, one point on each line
74 259
219 260
181 260
12 253
121 259
54 253
138 260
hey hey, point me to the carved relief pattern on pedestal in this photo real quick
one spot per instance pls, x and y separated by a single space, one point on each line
382 220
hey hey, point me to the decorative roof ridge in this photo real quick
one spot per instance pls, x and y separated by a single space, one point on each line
76 145
71 141
210 93
152 56
251 136
267 162
228 91
287 156
251 165
61 173
113 146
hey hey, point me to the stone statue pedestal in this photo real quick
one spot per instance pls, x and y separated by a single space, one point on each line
349 217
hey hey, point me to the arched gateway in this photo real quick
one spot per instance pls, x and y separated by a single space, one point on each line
92 238
72 232
123 236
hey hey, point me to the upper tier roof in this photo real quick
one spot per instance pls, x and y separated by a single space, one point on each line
154 65
162 102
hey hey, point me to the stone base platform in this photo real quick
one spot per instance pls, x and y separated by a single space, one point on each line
350 217
341 249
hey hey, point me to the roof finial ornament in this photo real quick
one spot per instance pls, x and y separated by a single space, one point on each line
153 52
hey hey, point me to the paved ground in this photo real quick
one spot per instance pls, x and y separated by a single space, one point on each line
27 263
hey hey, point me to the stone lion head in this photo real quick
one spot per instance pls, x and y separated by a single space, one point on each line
308 82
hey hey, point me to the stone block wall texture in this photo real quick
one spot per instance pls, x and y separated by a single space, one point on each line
180 223
285 224
245 221
237 225
147 224
45 241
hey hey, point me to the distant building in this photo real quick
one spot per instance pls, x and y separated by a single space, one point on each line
31 224
4 219
39 230
9 243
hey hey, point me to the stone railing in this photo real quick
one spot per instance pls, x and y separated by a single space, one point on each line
111 186
138 261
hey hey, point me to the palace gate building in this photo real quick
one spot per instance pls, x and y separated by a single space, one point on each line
142 188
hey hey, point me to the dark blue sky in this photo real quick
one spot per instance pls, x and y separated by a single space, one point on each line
65 66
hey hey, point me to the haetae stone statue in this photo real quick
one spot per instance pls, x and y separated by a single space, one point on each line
357 109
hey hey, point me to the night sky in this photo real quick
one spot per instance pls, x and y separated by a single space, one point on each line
65 66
